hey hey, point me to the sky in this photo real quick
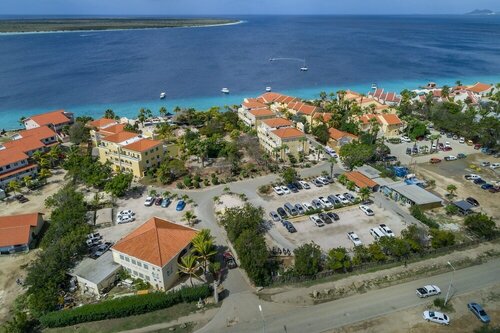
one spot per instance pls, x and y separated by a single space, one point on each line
240 7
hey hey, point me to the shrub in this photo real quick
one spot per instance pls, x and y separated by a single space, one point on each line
124 307
265 189
482 225
417 213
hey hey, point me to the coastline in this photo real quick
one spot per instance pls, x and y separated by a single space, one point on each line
121 29
9 118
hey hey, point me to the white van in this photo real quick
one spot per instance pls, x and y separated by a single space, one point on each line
376 233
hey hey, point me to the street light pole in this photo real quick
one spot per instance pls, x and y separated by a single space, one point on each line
451 283
263 320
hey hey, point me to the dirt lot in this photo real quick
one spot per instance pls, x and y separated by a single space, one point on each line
446 173
410 320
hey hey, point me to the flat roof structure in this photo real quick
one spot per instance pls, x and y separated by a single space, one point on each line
368 171
96 271
415 193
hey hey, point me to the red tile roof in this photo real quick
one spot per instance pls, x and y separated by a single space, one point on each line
360 180
16 171
365 119
102 122
303 108
272 97
24 145
325 116
288 132
337 134
277 122
142 145
261 112
50 118
120 137
253 103
43 132
479 87
16 229
157 241
113 129
391 119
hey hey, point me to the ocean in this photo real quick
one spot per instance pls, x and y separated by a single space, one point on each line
89 72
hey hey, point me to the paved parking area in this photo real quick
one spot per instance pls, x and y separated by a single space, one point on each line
142 214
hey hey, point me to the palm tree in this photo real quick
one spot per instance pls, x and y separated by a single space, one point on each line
451 189
13 186
189 217
37 156
110 114
332 161
27 180
189 265
203 235
204 250
164 131
21 120
44 173
343 179
350 185
365 193
53 154
163 111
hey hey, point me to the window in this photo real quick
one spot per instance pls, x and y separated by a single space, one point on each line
141 275
139 264
145 266
147 278
122 257
127 259
135 273
134 262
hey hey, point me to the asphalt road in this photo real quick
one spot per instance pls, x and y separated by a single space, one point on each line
361 307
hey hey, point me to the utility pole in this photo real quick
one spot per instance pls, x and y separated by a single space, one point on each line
451 283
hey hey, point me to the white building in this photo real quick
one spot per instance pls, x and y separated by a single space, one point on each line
152 251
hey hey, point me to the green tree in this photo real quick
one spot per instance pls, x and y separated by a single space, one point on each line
78 133
307 259
482 225
451 209
27 181
289 175
442 238
361 255
119 184
338 259
350 185
321 133
20 323
365 193
170 170
238 219
13 186
163 111
189 217
451 189
356 154
189 266
415 236
252 250
110 114
394 246
376 252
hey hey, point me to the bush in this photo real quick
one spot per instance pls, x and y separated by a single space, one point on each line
481 224
417 213
124 307
264 189
439 303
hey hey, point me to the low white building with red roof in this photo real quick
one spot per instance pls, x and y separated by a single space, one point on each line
14 166
481 89
55 120
19 232
385 97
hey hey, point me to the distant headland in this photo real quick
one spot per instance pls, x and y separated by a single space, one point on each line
481 12
53 25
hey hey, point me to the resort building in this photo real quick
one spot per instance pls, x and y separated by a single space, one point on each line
389 124
152 251
130 152
411 195
339 138
19 232
481 89
279 138
28 145
387 98
363 101
253 111
102 128
44 133
302 109
56 120
14 165
321 118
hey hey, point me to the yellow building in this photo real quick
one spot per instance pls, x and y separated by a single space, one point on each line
131 152
252 112
389 124
103 127
279 138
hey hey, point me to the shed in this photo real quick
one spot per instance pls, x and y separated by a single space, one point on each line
413 195
464 207
94 276
104 217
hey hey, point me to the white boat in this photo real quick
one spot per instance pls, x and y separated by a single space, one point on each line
304 68
268 89
162 95
374 86
225 90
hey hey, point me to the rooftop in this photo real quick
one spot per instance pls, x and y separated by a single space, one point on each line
157 241
25 145
390 119
360 180
463 205
303 107
479 87
57 117
42 132
142 145
415 193
96 270
8 156
289 132
121 137
273 97
15 229
261 112
338 134
112 129
277 122
102 123
253 103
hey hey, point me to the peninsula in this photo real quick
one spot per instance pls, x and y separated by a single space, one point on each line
48 25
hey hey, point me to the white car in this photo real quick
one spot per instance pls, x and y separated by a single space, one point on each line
285 190
494 165
149 201
447 144
367 210
427 291
386 230
462 140
342 199
354 238
325 202
124 219
316 220
305 185
307 206
450 158
322 181
405 139
278 190
125 212
436 317
472 176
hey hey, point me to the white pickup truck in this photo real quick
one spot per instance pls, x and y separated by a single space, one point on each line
429 290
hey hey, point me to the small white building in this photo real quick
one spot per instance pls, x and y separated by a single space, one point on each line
56 120
152 251
95 275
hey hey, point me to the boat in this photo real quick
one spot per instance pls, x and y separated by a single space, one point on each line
225 90
304 68
162 95
374 86
268 89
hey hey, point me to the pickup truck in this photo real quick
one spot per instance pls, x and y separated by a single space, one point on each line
429 290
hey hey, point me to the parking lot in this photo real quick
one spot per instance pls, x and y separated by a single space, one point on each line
334 234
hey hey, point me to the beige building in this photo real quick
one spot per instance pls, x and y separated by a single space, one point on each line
390 124
19 232
130 152
279 138
103 127
152 251
253 111
56 120
339 138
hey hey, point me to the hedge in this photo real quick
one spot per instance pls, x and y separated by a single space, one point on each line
417 213
124 307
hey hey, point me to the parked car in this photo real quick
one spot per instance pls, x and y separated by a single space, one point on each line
281 212
285 190
274 216
325 202
317 182
450 158
485 164
292 188
472 201
300 209
479 312
455 137
494 166
342 199
408 151
289 227
334 200
472 176
386 230
328 179
180 205
367 210
461 155
461 140
486 186
305 185
316 204
317 221
166 202
404 138
349 196
436 317
290 209
354 238
389 158
229 260
435 160
325 218
477 146
307 206
333 216
428 290
377 233
278 190
323 180
479 181
149 201
469 143
125 212
124 219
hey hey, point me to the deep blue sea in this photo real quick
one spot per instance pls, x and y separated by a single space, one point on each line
88 72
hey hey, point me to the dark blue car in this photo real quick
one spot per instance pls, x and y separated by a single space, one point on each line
180 205
479 181
479 312
486 186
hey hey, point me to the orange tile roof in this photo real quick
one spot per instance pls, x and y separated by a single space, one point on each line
365 119
277 122
261 112
121 136
157 241
360 180
25 145
253 103
15 230
272 97
102 122
40 133
325 116
391 119
50 118
337 134
113 129
479 87
286 133
303 108
142 145
8 156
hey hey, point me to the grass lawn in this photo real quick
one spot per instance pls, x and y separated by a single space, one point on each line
127 323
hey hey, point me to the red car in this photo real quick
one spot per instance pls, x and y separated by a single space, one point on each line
477 146
158 201
229 260
435 160
447 148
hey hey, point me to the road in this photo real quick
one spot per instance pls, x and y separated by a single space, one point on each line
320 318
